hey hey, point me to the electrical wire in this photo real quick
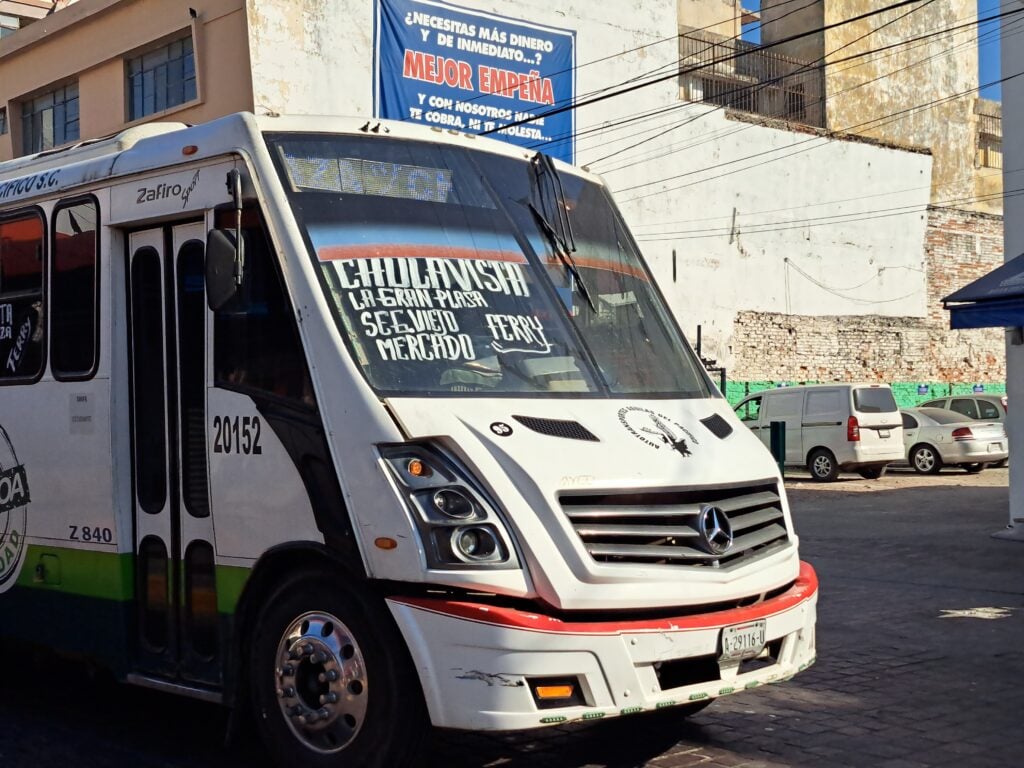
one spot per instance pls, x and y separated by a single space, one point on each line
577 67
741 54
1019 22
822 139
860 57
824 221
809 66
661 153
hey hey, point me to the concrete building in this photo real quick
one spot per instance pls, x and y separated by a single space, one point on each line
802 253
880 95
909 78
15 14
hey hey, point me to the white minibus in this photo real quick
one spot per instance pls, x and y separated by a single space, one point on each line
361 427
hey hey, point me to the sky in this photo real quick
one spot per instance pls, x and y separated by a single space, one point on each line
988 50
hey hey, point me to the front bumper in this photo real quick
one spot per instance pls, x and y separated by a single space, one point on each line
473 659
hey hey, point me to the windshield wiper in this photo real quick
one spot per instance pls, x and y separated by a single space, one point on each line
563 253
563 244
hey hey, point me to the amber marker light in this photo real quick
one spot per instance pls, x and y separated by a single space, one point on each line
554 691
417 468
191 149
385 543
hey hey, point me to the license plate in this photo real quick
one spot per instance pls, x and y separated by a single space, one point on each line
883 433
995 447
743 641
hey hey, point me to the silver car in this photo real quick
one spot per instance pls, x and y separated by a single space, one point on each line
935 437
977 407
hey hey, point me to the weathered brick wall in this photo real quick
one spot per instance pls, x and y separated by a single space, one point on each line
960 246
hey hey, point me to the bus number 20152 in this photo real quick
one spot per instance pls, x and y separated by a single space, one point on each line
237 434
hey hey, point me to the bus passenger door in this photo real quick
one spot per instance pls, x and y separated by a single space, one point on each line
178 633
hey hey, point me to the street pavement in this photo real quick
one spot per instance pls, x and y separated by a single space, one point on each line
920 663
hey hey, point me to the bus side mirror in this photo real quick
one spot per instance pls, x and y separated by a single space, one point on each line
221 260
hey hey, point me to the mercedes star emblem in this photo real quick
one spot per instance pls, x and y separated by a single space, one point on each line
715 530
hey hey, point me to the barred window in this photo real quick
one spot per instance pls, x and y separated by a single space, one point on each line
161 78
50 120
3 120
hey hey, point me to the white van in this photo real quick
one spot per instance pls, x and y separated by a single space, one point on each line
830 427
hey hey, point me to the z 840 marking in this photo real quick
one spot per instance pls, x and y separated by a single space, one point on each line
93 533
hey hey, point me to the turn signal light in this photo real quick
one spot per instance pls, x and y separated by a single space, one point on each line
852 429
555 691
418 468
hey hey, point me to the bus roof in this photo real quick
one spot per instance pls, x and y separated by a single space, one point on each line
159 145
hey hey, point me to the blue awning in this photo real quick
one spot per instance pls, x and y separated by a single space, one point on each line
995 300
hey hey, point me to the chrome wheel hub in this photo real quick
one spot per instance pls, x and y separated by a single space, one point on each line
924 460
321 682
822 466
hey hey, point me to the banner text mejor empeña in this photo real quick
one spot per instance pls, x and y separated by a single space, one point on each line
455 68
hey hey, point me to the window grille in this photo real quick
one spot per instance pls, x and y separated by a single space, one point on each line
49 120
161 78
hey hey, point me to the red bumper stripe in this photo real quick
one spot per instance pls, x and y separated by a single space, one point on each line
803 589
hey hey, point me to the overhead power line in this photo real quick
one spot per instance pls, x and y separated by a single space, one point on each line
822 139
761 86
803 206
577 67
824 221
672 75
662 153
859 57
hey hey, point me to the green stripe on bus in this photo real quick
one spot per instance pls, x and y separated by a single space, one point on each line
230 583
109 575
85 572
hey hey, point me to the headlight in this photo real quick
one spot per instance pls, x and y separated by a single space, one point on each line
475 544
459 524
454 503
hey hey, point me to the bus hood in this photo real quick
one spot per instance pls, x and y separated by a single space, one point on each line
533 453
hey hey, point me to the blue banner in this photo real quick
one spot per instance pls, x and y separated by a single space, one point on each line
452 67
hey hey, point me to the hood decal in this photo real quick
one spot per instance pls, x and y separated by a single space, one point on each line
657 430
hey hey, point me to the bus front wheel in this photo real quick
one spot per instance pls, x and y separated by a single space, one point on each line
331 683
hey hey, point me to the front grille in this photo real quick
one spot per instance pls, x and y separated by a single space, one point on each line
661 528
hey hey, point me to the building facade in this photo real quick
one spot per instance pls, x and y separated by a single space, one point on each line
766 228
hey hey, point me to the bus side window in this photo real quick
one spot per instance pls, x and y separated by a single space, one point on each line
21 297
255 342
74 309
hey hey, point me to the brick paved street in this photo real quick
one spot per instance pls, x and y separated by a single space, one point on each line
897 684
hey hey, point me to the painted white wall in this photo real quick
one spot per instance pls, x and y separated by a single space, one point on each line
312 57
1012 62
316 56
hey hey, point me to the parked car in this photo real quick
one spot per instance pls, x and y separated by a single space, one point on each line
830 427
977 407
936 437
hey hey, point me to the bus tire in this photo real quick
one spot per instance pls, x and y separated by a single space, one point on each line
331 682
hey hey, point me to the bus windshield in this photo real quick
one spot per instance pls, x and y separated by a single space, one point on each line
456 271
